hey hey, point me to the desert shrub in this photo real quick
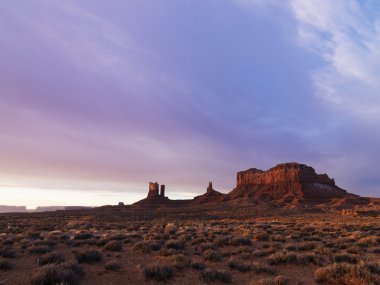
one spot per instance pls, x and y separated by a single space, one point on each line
50 258
64 273
282 257
262 237
112 266
119 236
212 255
40 249
8 241
49 242
212 275
261 268
5 264
180 261
278 280
241 241
376 250
88 256
239 265
208 245
349 258
114 245
349 274
82 236
161 236
354 250
33 235
146 246
306 246
279 238
198 265
222 241
262 253
291 247
310 258
175 244
7 252
158 272
102 242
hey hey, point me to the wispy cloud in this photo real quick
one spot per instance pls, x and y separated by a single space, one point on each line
349 42
345 34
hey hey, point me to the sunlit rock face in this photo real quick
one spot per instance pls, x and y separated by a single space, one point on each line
286 182
153 189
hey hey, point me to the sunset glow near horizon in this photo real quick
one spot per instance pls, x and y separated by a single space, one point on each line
99 98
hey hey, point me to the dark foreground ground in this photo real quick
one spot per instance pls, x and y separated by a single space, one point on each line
242 245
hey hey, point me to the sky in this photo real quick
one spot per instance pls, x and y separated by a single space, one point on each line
97 98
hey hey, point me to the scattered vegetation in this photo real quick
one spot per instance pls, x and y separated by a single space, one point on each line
88 256
64 273
158 272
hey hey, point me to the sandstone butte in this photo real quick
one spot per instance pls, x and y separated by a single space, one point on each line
284 184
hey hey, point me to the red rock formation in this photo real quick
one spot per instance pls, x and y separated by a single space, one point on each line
284 184
210 197
287 182
153 190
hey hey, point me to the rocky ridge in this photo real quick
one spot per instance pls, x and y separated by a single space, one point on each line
285 184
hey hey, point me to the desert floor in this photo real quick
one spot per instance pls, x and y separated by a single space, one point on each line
127 246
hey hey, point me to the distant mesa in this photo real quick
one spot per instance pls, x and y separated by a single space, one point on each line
12 209
286 183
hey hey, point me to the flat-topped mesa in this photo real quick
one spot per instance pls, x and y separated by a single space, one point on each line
283 173
286 182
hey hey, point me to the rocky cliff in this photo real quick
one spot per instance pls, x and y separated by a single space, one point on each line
287 182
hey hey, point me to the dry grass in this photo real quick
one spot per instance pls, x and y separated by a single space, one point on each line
174 249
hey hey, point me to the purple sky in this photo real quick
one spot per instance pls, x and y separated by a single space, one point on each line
99 98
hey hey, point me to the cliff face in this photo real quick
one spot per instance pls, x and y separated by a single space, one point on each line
287 182
285 173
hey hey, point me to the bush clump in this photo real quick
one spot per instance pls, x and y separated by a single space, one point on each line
5 264
40 249
212 275
7 252
278 280
349 274
88 256
180 261
239 265
113 266
64 273
348 258
175 244
158 272
114 245
50 258
83 236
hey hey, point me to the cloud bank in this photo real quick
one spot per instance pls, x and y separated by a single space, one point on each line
97 97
